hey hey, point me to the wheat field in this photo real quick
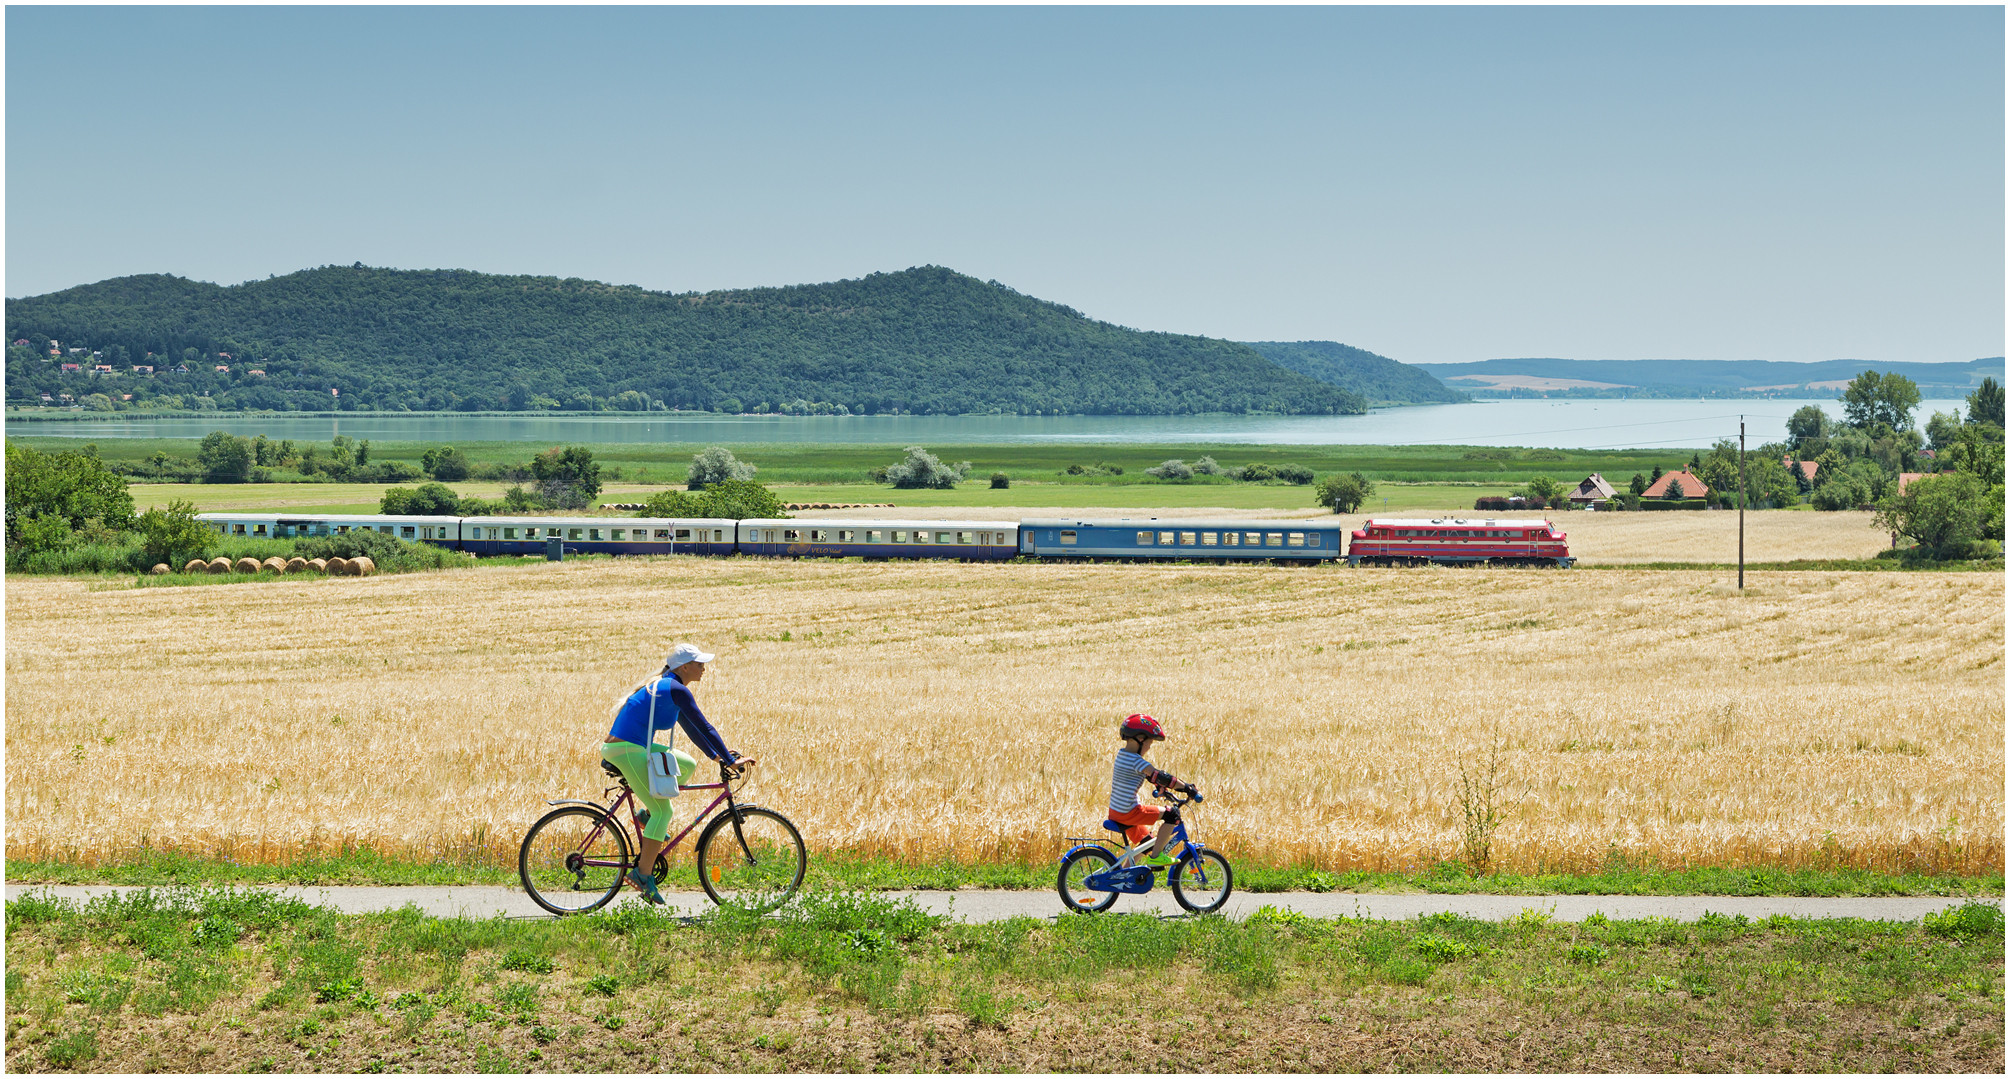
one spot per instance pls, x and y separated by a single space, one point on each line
966 711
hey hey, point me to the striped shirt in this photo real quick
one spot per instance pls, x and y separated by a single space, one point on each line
1128 777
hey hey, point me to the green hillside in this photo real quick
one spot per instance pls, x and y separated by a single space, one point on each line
1381 380
924 340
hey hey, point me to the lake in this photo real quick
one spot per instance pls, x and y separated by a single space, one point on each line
1561 424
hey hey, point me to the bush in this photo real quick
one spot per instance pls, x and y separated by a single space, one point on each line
1206 466
1000 481
445 463
922 469
740 500
1253 473
430 500
1100 469
1295 474
1174 470
173 535
716 464
1841 493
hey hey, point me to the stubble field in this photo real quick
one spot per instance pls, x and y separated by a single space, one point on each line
964 712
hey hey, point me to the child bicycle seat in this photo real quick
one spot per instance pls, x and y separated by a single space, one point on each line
1114 826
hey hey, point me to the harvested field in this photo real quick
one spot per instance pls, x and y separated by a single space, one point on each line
965 710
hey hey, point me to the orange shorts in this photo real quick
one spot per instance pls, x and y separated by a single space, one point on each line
1139 822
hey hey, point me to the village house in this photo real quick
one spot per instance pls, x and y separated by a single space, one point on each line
259 371
224 367
1686 485
143 369
1593 489
69 367
22 343
1803 471
104 369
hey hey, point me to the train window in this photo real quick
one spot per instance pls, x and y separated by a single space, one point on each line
875 536
1166 538
617 533
509 533
847 535
682 533
1253 539
1068 537
1294 539
1187 538
1144 538
819 535
477 535
963 538
942 537
1209 539
410 532
258 530
237 530
575 533
593 534
1231 539
1273 539
899 537
792 533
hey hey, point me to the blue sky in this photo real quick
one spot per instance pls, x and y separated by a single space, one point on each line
1435 184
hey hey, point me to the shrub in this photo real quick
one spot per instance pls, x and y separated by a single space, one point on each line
740 500
1206 466
1000 481
173 535
922 469
1253 473
716 464
1295 474
445 463
430 500
672 504
1174 470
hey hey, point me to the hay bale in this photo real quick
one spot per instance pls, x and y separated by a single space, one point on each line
318 565
338 566
219 564
275 564
159 569
247 564
362 566
296 564
196 565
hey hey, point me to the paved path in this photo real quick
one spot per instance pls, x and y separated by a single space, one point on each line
985 906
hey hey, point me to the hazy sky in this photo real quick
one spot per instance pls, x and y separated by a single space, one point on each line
1435 184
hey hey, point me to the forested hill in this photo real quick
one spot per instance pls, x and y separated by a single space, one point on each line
1695 378
1381 380
921 340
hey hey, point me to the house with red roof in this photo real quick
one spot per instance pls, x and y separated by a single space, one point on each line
1685 483
1802 470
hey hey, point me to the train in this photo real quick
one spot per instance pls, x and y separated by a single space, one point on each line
1379 541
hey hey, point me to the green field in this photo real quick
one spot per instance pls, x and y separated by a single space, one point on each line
819 463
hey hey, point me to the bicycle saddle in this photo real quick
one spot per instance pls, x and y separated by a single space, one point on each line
1113 825
610 769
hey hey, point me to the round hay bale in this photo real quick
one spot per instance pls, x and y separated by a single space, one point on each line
275 564
362 566
338 566
247 564
219 564
196 565
296 564
159 569
318 565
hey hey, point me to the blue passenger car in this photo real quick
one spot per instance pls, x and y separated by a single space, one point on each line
989 541
1154 539
596 535
438 531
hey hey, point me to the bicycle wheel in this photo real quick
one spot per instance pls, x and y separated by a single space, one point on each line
1076 897
572 860
1201 883
757 877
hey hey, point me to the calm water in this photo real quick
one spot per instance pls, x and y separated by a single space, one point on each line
1561 424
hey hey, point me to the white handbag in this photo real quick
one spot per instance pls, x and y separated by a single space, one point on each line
662 766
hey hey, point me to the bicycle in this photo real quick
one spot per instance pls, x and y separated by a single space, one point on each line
574 859
1092 875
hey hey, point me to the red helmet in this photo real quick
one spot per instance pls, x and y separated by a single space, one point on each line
1142 726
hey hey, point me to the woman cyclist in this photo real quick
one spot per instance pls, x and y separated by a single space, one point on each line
627 747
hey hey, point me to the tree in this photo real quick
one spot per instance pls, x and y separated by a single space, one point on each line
1000 481
1543 488
172 534
1872 399
1940 513
362 453
1767 483
716 464
1639 484
225 457
568 477
741 500
922 469
1808 422
673 504
96 402
69 486
1174 469
1345 492
1842 492
1985 405
445 463
430 500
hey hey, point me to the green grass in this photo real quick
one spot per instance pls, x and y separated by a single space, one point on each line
233 981
156 867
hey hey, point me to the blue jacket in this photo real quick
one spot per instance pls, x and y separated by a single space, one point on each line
674 706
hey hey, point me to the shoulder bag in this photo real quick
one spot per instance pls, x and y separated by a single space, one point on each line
662 767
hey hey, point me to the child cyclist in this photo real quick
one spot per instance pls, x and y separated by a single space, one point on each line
1132 772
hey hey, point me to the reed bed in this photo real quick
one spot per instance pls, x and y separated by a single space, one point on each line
966 712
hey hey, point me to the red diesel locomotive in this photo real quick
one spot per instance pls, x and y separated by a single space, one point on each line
1459 542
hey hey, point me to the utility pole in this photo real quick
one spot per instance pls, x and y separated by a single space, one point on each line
1741 503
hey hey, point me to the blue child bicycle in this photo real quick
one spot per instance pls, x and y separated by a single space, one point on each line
1093 874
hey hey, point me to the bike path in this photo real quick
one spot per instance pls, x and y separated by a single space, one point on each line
487 901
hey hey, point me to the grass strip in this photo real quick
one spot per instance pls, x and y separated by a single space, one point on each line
234 981
841 869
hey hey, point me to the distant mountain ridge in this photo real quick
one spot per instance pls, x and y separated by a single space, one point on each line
1690 378
924 340
1381 380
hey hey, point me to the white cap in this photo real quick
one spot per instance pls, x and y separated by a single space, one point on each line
681 654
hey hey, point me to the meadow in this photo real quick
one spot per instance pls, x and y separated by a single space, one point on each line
964 712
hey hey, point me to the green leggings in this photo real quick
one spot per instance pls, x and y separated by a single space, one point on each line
633 761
